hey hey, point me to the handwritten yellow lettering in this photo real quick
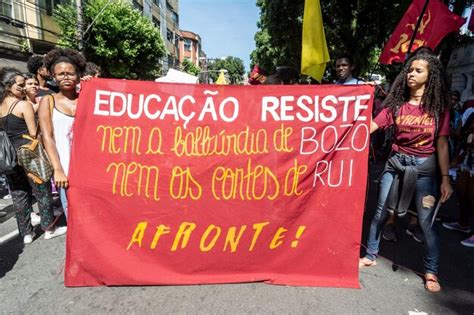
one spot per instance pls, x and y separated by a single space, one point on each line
253 183
137 236
113 136
298 235
201 142
277 238
258 227
212 243
147 175
155 138
183 235
280 139
232 240
295 172
160 230
186 186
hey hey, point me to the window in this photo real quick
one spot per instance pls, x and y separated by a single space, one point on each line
50 5
172 62
175 17
188 44
137 6
158 3
6 8
157 23
169 36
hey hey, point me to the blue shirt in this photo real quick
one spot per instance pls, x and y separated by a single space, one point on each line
351 81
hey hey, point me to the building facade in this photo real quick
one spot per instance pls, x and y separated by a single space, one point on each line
190 48
165 15
27 27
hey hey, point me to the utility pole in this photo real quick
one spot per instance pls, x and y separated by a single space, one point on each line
80 25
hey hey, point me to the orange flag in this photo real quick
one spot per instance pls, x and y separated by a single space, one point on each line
436 23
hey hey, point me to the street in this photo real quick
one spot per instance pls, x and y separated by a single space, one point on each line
32 282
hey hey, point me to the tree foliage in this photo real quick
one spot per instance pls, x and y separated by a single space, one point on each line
356 27
234 66
122 41
189 67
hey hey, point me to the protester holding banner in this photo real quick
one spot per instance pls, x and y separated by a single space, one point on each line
56 113
92 70
344 71
418 107
18 119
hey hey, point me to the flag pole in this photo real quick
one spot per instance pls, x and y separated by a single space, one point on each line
418 22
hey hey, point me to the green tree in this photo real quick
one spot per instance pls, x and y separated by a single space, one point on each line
189 67
122 41
278 41
234 66
356 27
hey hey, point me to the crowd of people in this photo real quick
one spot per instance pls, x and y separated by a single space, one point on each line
42 102
429 134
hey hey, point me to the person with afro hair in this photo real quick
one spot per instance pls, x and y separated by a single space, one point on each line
56 113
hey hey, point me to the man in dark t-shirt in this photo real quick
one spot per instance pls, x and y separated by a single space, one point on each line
35 67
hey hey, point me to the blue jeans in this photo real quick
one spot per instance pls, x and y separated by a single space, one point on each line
63 197
425 186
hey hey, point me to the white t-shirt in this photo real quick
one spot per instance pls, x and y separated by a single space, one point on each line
62 126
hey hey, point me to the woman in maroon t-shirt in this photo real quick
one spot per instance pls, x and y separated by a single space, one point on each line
417 106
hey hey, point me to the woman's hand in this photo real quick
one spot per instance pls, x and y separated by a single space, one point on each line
60 179
446 189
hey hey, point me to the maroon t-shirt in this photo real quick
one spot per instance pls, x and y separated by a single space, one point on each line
414 129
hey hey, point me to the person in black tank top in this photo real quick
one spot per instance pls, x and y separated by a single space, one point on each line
17 118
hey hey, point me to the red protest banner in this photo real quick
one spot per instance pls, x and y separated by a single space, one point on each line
436 23
192 184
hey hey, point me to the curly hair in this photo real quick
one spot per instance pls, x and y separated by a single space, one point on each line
7 79
67 55
92 69
28 75
34 63
435 99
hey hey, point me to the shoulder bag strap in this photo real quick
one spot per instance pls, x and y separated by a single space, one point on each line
51 107
51 104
